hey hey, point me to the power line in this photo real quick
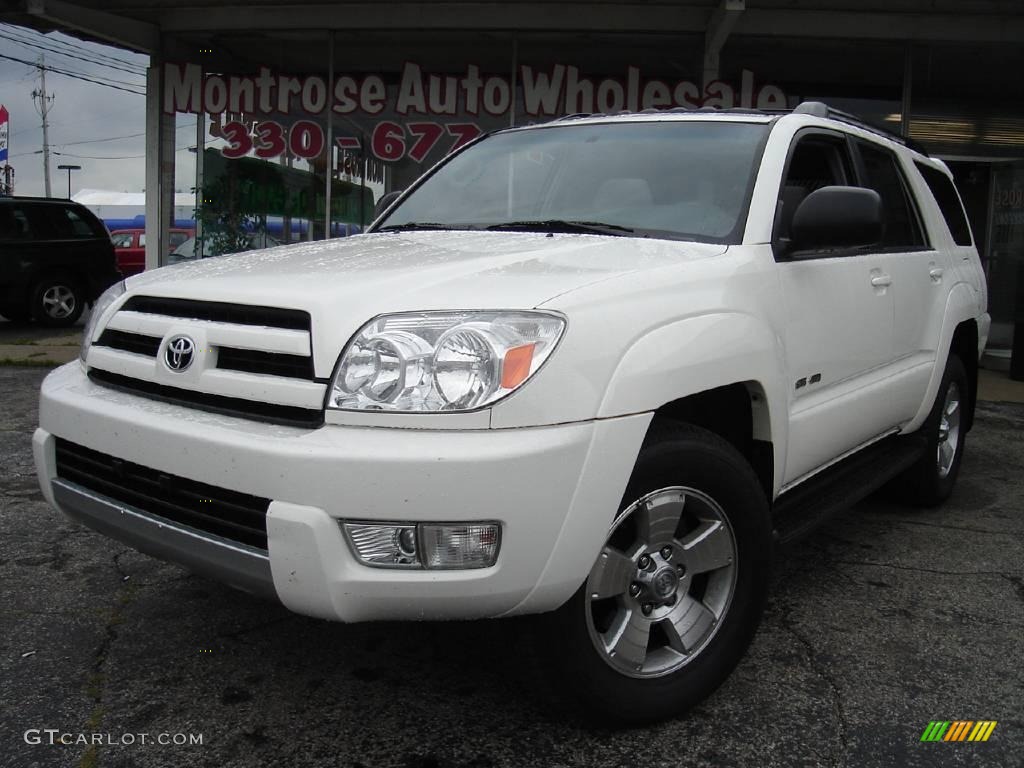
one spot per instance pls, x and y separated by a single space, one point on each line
77 76
40 41
30 34
96 76
58 52
99 141
119 157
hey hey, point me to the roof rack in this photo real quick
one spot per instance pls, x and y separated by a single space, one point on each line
812 108
820 109
672 110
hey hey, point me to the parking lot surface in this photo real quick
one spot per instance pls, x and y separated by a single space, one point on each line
883 620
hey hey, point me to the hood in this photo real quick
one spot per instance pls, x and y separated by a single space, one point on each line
345 282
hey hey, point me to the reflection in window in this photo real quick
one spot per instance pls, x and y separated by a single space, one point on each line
670 178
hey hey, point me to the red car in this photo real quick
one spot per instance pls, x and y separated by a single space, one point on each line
130 247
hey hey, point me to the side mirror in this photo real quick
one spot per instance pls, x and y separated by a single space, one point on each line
385 202
837 217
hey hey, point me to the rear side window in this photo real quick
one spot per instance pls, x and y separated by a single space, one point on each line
80 226
902 226
69 224
14 224
122 240
949 203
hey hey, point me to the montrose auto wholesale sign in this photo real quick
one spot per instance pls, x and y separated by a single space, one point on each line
423 113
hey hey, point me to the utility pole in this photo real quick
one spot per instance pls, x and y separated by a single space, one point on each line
45 103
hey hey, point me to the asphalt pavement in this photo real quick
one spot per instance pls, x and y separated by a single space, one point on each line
883 620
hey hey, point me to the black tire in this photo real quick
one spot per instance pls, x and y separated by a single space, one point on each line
16 313
57 301
924 484
673 455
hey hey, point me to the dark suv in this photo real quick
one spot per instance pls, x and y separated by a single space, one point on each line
55 257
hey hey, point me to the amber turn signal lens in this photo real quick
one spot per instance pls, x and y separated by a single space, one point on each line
516 366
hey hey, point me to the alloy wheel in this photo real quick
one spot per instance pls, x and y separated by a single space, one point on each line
59 301
663 583
949 430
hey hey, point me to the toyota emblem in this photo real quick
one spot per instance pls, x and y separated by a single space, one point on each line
179 353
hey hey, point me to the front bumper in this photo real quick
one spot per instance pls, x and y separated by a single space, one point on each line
555 491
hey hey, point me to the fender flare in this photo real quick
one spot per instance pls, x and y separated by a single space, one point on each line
699 353
961 306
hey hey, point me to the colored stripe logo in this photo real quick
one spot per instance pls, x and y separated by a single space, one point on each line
959 730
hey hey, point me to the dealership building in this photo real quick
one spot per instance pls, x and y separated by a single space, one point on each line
305 113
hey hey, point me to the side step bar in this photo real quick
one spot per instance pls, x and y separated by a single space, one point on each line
799 511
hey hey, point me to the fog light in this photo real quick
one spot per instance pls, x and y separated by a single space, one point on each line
385 545
407 542
473 545
427 545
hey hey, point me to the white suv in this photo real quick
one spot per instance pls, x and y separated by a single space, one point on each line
596 368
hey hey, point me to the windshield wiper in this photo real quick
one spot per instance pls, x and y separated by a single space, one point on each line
561 225
413 225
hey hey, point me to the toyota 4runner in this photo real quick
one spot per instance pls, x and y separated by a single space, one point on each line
596 369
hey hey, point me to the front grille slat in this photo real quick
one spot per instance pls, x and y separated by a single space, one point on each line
271 413
220 312
230 514
269 363
138 343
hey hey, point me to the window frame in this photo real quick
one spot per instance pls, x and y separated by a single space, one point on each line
920 168
735 237
908 194
809 255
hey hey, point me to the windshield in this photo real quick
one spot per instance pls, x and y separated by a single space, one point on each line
669 179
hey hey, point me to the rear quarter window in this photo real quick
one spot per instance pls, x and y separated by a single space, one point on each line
948 200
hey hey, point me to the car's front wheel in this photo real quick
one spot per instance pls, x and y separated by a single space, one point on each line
57 302
677 591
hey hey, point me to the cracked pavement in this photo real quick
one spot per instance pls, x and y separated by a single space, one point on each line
882 620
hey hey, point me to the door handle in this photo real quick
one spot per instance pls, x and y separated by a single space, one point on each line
880 281
935 273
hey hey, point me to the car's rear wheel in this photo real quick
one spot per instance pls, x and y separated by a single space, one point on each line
677 591
57 301
930 481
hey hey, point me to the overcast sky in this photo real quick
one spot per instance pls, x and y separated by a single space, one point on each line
95 126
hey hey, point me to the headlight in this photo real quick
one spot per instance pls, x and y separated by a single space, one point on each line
441 361
108 297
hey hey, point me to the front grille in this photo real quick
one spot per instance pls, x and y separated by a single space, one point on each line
228 358
289 415
220 312
231 515
238 340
